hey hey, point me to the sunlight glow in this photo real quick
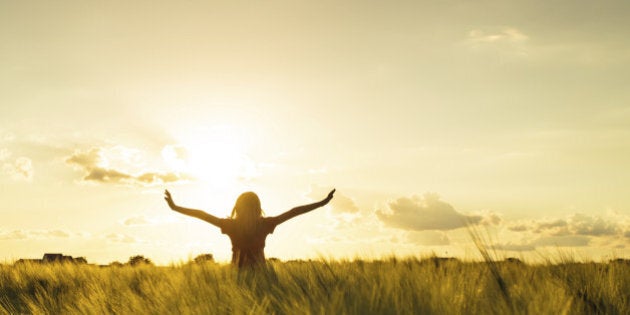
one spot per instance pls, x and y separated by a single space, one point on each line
215 156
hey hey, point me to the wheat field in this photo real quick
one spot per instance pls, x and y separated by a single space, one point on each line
391 286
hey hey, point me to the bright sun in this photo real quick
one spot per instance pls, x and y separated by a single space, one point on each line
216 156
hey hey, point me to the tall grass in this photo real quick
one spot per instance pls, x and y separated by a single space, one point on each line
393 286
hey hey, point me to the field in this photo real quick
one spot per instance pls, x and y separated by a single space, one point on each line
392 286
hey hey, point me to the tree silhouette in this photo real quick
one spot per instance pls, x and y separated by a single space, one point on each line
204 258
80 260
139 260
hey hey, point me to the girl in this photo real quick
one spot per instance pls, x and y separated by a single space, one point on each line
246 227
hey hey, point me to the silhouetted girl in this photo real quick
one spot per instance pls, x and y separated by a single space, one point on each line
246 227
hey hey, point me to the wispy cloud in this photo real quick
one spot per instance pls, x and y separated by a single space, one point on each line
575 230
19 169
563 241
13 235
546 241
95 166
514 246
121 238
507 41
136 221
428 212
142 220
576 224
505 35
33 234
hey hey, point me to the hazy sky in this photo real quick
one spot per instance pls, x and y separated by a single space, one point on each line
514 117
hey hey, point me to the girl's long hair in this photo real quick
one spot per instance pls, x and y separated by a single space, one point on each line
247 210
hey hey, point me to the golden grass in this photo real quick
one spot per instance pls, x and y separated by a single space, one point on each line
393 286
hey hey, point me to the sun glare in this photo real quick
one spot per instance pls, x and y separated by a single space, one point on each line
215 156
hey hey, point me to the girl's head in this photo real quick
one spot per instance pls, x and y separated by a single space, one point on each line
247 207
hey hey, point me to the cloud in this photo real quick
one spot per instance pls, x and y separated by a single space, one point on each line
95 166
507 41
4 154
175 156
120 238
581 224
33 234
491 218
424 213
88 158
146 220
13 235
428 238
20 169
563 241
572 231
51 233
506 35
518 227
555 227
576 224
340 204
546 241
105 175
509 246
136 221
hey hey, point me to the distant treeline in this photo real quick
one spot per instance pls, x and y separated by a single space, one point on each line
56 258
52 258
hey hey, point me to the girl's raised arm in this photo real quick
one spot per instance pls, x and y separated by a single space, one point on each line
303 209
191 212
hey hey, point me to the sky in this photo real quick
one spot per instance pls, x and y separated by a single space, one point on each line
509 117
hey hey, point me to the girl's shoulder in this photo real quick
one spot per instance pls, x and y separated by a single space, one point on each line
269 223
227 225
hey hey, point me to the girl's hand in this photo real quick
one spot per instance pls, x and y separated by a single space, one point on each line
330 196
169 200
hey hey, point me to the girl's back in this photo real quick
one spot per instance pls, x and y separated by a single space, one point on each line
248 243
247 228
